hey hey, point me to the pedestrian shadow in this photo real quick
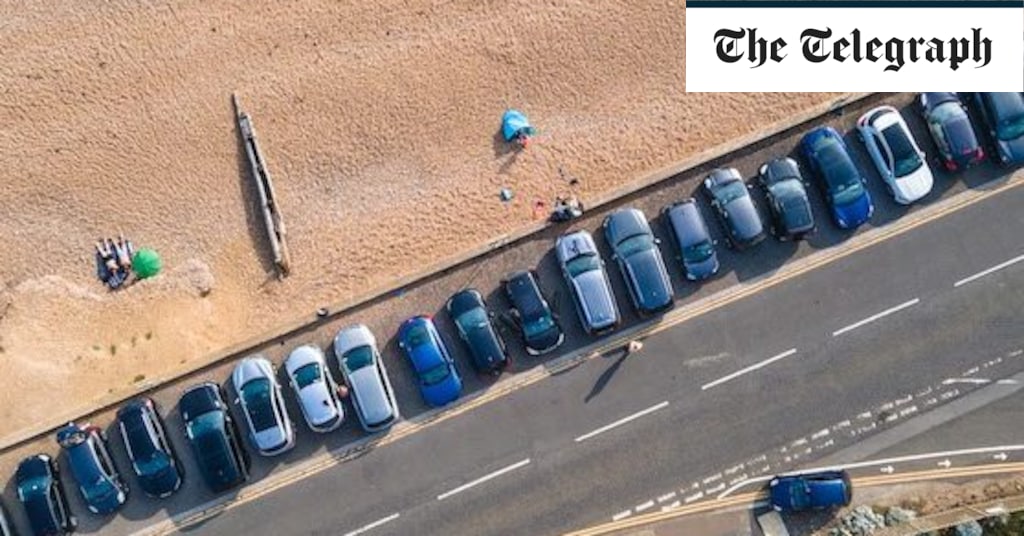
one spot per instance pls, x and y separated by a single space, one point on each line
606 376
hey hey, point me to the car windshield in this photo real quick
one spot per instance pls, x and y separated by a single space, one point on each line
417 336
730 192
800 495
906 158
848 193
1010 128
582 264
98 490
538 326
635 244
204 424
435 375
358 358
839 172
698 252
472 320
307 375
256 394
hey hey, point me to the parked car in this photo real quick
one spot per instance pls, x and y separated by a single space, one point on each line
844 186
532 314
436 374
951 130
41 493
363 369
145 439
811 491
473 322
259 395
735 208
783 185
636 252
693 240
315 388
213 435
89 458
584 273
1003 117
898 159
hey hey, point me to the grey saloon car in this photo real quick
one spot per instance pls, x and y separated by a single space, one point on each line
693 241
367 378
731 200
639 259
783 186
585 275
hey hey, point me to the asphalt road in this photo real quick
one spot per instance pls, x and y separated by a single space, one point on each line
568 483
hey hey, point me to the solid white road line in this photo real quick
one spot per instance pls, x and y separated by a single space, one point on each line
741 372
978 381
991 270
483 479
373 525
872 318
622 421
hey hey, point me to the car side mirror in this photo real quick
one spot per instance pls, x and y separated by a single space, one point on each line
657 241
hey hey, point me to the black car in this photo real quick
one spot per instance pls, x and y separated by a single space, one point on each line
636 252
99 482
473 321
783 186
951 130
1003 115
145 439
735 208
693 240
42 495
214 437
532 314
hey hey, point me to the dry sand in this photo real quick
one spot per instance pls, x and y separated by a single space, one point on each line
378 119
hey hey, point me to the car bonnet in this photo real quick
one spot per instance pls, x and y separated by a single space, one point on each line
369 390
598 303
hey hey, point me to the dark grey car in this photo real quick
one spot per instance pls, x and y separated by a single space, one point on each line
731 200
1003 115
639 259
785 190
693 240
584 273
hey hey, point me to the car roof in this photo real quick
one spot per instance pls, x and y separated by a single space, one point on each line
688 224
525 293
465 300
199 399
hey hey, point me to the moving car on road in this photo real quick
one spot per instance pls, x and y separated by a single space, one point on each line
93 468
951 130
783 185
213 435
259 394
842 183
1003 116
898 159
584 273
473 321
355 348
315 388
693 240
810 491
436 374
735 208
145 439
532 314
41 493
636 252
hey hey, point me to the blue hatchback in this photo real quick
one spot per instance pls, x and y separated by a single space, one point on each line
811 491
829 160
93 468
436 375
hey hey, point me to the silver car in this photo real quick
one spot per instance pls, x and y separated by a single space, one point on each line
898 159
584 272
372 396
315 388
259 394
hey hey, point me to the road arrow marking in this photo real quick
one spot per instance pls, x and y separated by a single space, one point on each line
888 469
944 464
1001 457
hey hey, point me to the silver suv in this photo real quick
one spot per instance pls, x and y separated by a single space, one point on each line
359 360
584 272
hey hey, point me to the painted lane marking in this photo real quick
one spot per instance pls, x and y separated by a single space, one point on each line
483 479
622 421
978 381
751 368
373 525
694 497
667 497
672 506
641 507
875 317
622 515
991 270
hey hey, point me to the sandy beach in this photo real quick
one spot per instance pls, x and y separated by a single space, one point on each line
378 120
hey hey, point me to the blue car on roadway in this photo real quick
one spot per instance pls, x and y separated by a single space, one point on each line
845 187
436 375
810 491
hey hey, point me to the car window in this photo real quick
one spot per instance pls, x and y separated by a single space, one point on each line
582 265
435 375
698 252
538 326
472 320
417 336
1010 128
357 358
256 394
635 244
307 375
800 495
907 160
731 192
836 167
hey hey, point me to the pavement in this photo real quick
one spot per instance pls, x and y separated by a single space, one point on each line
521 450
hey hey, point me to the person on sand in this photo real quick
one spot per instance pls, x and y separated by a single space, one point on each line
125 251
106 264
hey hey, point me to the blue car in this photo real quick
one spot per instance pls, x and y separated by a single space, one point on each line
829 160
42 495
102 488
811 491
438 379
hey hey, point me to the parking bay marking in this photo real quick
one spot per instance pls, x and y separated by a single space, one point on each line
751 368
483 479
622 421
989 271
875 317
373 525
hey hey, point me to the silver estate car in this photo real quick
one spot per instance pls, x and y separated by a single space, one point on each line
315 388
372 396
259 394
584 272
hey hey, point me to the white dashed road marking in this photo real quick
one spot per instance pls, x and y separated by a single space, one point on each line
622 421
622 515
872 318
373 525
991 270
751 368
483 479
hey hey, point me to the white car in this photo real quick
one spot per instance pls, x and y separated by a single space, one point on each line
372 396
315 388
259 394
896 155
